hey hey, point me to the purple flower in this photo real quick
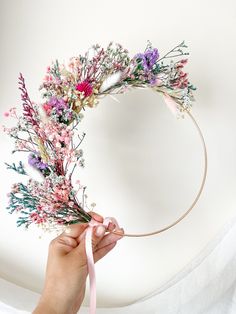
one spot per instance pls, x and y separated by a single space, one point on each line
41 165
148 58
58 103
153 81
36 162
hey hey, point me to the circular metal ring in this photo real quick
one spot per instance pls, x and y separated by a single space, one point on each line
196 197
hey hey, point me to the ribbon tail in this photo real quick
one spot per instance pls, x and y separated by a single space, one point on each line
171 104
114 98
90 259
91 269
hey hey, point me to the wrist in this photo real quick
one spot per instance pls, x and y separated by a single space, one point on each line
53 301
49 306
44 308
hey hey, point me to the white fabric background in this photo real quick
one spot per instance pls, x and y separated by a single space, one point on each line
121 137
206 286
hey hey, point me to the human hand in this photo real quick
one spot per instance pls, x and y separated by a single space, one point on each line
67 269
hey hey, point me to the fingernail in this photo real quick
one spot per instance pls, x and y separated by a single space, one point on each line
100 231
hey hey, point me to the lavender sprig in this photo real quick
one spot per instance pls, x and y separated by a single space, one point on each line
28 111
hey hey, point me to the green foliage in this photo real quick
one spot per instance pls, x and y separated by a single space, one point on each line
19 169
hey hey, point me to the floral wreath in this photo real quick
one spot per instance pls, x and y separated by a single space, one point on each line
49 132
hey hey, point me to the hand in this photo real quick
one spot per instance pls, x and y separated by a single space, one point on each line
67 270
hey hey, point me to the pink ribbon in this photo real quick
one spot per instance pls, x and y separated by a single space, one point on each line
171 104
90 259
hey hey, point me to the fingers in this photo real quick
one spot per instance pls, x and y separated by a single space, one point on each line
100 253
110 238
68 240
74 238
74 231
96 217
111 226
98 234
62 245
78 230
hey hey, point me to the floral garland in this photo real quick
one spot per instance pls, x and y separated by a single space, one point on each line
48 132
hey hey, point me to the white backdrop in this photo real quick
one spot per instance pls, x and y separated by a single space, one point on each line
142 165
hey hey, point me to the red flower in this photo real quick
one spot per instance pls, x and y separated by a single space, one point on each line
85 87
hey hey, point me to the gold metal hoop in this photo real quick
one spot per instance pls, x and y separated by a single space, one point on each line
197 195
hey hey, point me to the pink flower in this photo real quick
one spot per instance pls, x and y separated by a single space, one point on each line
47 78
71 204
47 108
61 195
85 87
181 63
37 218
6 114
184 61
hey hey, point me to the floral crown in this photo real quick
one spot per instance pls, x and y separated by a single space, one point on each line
49 133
